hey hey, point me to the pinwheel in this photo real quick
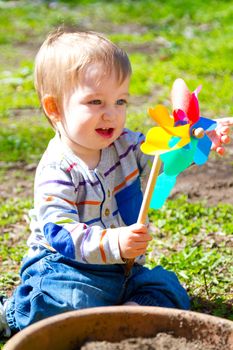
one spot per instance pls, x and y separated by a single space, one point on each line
179 140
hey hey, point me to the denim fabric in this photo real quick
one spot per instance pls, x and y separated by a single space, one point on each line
52 284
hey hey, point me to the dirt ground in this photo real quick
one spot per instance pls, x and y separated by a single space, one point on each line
212 182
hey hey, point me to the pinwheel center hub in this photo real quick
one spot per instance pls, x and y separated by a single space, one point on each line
199 133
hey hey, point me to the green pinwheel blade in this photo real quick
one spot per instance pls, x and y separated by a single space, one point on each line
177 161
162 189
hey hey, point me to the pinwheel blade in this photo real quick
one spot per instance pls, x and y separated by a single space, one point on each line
160 140
180 95
202 151
162 189
204 144
206 124
177 161
180 117
157 139
193 109
161 115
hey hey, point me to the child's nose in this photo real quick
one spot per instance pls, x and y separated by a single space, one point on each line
109 113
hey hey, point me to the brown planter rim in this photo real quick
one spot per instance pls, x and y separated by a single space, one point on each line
70 330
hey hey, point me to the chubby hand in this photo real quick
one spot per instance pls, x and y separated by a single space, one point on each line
220 135
133 240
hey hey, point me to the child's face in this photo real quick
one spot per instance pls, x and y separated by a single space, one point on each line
94 114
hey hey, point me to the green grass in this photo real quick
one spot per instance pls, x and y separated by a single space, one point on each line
13 228
165 40
195 241
17 89
21 143
196 46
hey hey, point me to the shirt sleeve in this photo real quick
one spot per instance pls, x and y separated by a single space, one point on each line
59 221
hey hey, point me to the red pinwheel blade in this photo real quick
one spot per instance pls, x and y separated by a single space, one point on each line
180 117
193 109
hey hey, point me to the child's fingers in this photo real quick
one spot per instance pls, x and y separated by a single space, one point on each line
142 237
225 139
139 245
220 150
139 248
225 121
135 249
225 130
139 252
222 130
134 253
139 228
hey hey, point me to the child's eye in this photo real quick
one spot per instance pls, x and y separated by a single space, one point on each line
121 102
95 102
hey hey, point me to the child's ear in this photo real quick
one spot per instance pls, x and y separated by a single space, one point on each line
50 107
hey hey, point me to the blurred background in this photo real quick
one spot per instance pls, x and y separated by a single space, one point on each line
164 39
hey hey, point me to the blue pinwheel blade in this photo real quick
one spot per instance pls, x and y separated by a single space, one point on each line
202 151
204 144
206 124
177 161
162 189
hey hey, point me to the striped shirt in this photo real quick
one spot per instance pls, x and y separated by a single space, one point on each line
75 208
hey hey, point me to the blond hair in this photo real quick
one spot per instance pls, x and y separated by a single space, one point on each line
66 53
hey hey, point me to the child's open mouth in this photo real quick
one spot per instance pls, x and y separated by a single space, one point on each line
105 132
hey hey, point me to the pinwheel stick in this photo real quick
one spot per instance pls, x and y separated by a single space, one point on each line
142 217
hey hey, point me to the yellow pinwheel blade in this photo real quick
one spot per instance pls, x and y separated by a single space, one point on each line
158 140
161 115
182 131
